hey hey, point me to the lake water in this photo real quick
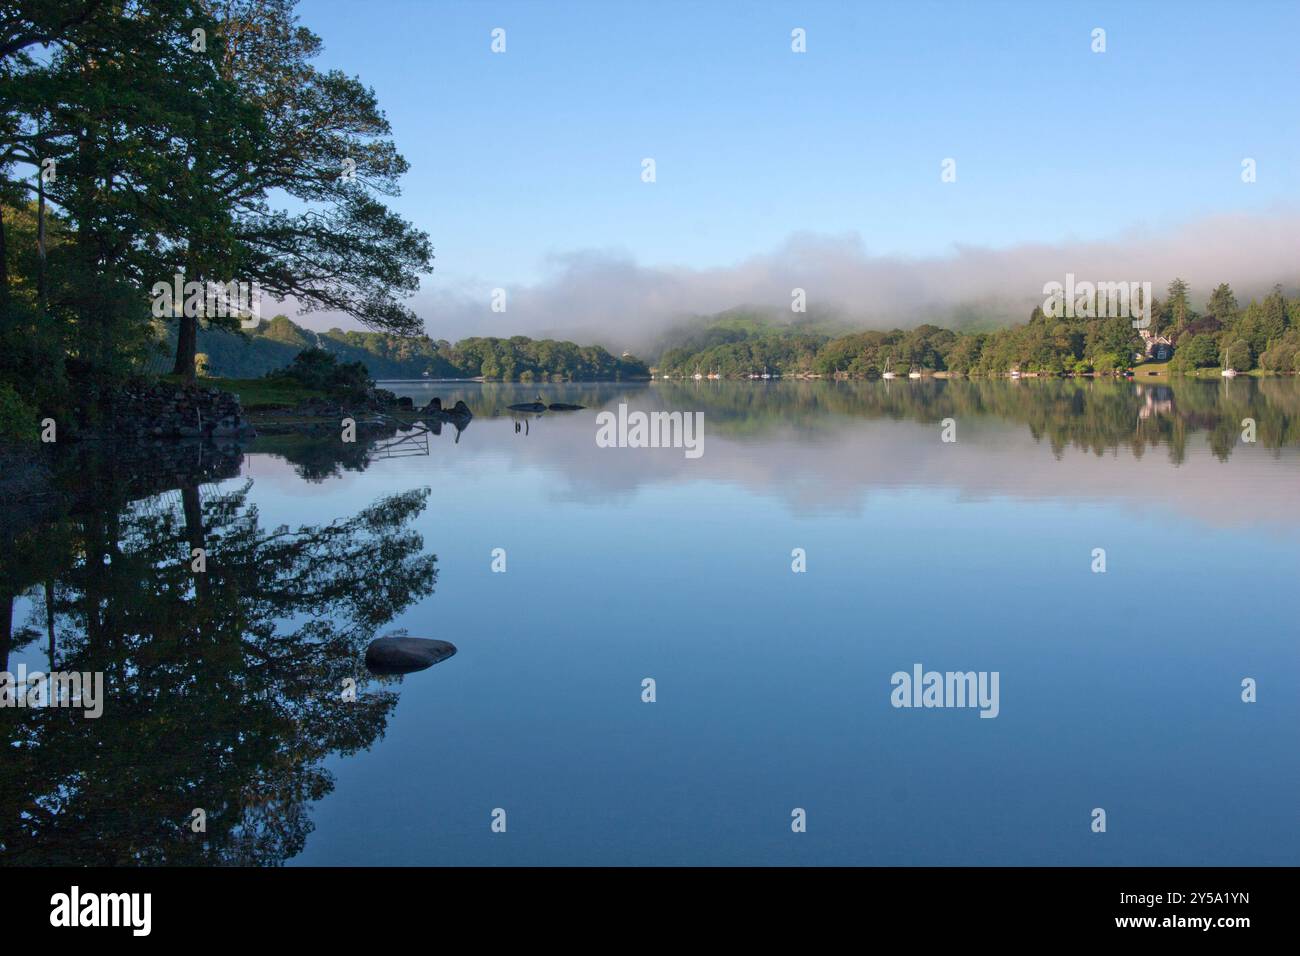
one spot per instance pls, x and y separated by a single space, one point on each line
1119 690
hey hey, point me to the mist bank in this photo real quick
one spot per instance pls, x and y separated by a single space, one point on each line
1089 336
608 297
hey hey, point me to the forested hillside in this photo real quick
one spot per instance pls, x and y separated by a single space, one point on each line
273 344
1264 334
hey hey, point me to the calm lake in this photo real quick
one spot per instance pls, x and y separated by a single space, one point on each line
1121 690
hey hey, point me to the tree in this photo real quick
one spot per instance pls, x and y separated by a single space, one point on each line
1239 356
1274 320
170 157
1195 351
118 122
1177 306
1222 304
327 148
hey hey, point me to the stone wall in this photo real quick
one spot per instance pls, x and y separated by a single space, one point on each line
164 410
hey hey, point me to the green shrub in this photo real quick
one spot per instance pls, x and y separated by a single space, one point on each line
321 370
17 418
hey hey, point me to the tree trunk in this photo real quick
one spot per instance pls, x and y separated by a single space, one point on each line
187 342
40 246
192 505
4 267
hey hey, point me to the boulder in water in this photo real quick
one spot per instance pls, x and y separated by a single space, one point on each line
404 655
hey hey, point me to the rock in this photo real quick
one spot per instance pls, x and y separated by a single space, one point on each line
404 655
459 414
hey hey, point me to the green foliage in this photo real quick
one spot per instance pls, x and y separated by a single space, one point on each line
1197 351
321 371
17 418
1222 304
1239 356
509 360
738 346
1281 357
273 345
221 163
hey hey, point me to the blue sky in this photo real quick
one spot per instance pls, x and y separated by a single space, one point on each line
535 153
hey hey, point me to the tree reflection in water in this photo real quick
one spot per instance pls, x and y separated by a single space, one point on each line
224 689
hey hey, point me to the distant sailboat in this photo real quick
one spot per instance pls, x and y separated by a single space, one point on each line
698 376
1229 373
765 375
913 374
888 373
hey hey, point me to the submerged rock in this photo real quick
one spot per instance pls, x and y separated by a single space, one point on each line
404 655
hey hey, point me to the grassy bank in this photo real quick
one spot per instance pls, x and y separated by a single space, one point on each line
258 393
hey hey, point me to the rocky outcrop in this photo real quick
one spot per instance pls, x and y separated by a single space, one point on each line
457 414
164 410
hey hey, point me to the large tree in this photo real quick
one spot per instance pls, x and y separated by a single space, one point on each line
108 116
327 148
195 137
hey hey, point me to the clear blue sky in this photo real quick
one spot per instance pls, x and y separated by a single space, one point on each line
537 151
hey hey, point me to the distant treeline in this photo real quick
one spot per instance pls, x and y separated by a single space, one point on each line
273 344
1265 334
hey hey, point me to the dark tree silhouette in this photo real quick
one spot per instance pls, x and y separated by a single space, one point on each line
224 690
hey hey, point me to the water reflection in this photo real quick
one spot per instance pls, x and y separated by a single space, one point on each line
825 446
1094 415
225 689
